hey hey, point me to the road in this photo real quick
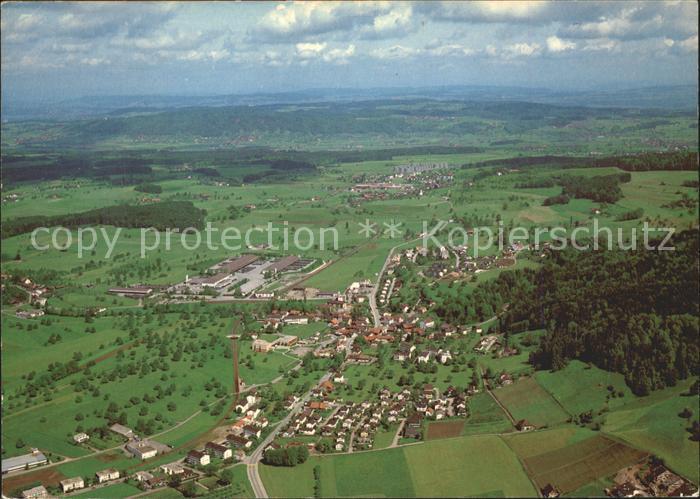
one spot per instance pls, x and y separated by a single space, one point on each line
252 460
375 288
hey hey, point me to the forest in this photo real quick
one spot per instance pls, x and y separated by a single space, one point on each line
168 214
633 312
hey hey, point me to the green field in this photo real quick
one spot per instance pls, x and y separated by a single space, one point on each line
471 466
652 423
525 399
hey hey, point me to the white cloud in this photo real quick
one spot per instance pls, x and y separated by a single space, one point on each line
309 50
450 49
304 20
339 56
522 49
488 11
690 44
394 52
556 44
601 45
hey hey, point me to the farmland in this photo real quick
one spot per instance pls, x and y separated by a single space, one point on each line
162 364
525 399
461 466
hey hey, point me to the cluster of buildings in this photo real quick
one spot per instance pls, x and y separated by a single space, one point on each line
243 275
651 479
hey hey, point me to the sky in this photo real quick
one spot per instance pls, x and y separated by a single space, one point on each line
55 51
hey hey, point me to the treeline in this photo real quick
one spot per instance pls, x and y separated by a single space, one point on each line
632 312
169 214
602 189
681 160
289 456
19 168
149 188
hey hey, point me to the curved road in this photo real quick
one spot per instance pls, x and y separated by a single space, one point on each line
252 460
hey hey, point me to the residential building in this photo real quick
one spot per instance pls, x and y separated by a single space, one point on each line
218 450
70 484
37 492
79 438
107 475
197 458
172 469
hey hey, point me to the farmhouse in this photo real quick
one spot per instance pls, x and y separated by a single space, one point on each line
29 314
34 458
35 492
107 475
124 431
197 458
79 438
70 484
523 425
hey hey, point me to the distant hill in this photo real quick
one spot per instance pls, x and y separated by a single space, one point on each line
669 97
388 121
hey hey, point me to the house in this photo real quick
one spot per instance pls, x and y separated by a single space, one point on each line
37 492
426 356
143 476
251 431
404 352
141 449
261 346
218 450
79 438
327 386
124 431
523 425
107 475
550 490
70 484
428 391
172 469
238 441
412 426
444 356
197 458
246 404
505 379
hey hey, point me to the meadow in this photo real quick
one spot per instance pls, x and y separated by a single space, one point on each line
525 399
471 466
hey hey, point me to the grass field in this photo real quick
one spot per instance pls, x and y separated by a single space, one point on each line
470 466
525 399
579 387
485 416
652 423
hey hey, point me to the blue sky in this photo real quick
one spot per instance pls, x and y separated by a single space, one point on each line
53 51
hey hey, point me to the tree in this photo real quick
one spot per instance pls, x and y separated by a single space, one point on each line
226 477
189 489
